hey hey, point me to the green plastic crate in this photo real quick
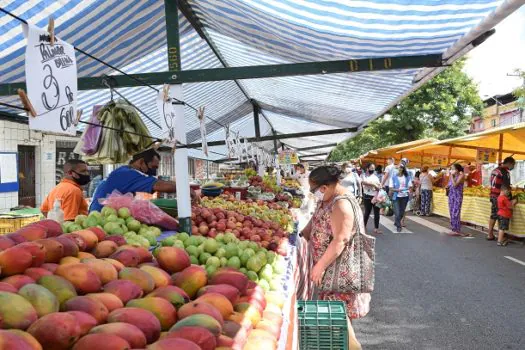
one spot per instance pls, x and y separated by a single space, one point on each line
322 325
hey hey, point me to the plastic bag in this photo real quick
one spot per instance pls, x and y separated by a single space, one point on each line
381 199
142 210
93 134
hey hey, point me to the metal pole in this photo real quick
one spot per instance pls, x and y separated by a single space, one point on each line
181 154
256 120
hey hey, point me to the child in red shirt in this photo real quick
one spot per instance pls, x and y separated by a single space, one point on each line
505 206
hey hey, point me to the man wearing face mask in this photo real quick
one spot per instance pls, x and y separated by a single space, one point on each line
69 191
138 176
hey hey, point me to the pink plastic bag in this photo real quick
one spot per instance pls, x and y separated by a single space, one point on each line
142 210
93 134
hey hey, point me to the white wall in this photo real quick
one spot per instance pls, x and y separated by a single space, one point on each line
14 134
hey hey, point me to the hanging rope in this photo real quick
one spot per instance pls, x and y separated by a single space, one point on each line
138 80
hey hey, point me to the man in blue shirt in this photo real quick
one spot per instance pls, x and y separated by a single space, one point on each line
138 176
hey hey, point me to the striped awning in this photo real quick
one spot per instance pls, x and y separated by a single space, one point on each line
131 35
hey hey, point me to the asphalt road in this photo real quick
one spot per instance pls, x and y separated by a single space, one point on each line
439 292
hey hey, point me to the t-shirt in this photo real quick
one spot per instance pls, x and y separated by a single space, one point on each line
403 185
72 199
370 190
390 171
426 181
351 183
499 177
125 180
504 207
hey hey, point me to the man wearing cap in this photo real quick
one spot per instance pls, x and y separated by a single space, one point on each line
138 176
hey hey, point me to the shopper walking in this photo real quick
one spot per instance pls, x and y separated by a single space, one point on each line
455 198
400 185
351 180
499 177
426 180
390 171
371 185
334 224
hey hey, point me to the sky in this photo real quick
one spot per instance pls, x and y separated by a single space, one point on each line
502 53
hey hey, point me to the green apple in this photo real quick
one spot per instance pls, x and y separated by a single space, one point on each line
79 220
107 211
133 225
213 260
234 262
231 250
182 236
211 246
124 213
204 257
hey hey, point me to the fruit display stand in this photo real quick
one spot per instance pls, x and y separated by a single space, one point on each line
476 211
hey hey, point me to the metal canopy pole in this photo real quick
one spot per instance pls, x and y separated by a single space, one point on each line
276 137
256 120
248 72
181 154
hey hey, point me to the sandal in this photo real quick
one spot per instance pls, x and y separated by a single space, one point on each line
453 234
503 243
466 235
493 238
377 232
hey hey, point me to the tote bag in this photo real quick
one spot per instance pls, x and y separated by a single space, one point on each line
354 270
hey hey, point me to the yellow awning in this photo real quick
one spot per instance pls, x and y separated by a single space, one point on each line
396 151
511 138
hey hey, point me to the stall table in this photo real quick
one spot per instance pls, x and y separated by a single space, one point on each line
476 211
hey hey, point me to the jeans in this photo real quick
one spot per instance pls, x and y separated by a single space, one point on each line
400 205
367 201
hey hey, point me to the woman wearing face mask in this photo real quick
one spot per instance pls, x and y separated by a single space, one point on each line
371 185
455 199
336 220
400 185
351 181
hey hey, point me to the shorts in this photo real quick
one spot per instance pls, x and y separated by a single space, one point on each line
494 208
503 223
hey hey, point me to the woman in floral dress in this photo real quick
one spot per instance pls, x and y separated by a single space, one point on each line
332 226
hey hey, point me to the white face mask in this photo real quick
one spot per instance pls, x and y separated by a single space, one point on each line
319 195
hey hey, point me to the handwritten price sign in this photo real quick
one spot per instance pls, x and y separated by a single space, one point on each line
51 79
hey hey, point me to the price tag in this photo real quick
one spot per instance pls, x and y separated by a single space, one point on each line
51 80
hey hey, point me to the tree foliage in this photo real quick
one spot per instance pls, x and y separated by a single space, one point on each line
520 92
441 108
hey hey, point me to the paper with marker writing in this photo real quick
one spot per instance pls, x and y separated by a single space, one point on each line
51 80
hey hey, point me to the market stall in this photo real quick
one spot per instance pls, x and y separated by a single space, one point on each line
205 80
490 146
475 210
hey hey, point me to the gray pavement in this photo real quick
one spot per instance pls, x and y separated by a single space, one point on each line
439 292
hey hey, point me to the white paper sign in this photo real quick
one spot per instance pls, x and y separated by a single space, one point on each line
51 79
8 168
167 113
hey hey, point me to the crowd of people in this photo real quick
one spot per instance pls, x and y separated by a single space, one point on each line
403 186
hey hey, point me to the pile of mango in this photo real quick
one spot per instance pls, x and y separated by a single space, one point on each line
87 290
